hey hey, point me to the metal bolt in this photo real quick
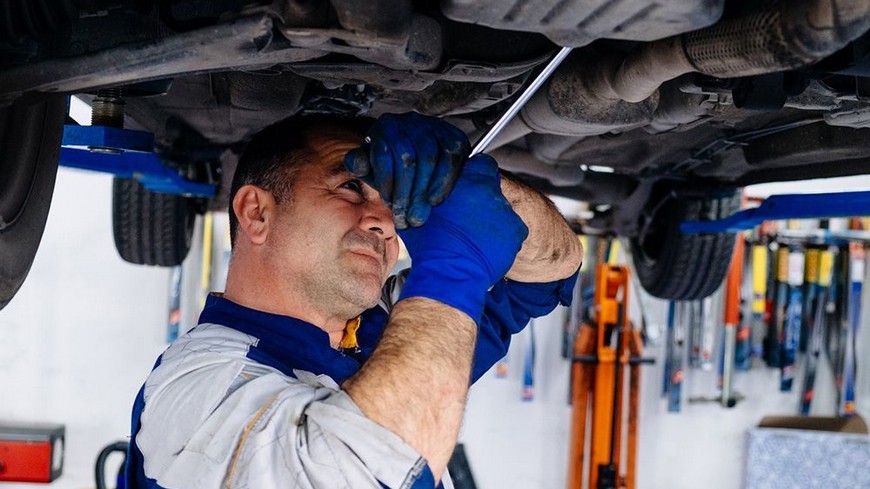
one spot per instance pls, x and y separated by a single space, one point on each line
108 108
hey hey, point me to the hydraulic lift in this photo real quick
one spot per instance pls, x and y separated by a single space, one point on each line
787 206
604 354
126 153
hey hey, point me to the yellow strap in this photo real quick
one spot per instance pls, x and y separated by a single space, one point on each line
811 270
614 252
349 341
782 264
759 277
826 265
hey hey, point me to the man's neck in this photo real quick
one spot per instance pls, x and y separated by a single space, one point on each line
282 299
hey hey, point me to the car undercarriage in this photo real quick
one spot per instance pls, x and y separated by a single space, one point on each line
660 114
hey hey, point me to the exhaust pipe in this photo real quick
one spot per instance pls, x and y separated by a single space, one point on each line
781 35
568 181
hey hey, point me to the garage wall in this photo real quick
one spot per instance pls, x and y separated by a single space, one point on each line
79 338
512 443
83 332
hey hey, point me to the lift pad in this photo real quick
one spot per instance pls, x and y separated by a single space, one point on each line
789 206
128 154
31 452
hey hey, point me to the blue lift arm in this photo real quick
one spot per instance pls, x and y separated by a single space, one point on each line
128 154
789 206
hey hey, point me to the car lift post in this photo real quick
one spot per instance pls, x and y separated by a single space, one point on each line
602 355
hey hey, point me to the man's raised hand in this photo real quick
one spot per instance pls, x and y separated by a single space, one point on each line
413 161
468 244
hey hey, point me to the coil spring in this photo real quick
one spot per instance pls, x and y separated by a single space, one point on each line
30 20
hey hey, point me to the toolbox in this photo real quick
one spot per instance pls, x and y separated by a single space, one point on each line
31 452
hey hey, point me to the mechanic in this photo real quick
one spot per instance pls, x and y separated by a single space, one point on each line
316 368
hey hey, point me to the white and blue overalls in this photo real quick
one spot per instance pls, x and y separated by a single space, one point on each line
249 399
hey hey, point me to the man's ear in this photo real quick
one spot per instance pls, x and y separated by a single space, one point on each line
253 207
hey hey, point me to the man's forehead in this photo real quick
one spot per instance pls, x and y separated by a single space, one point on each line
329 149
336 169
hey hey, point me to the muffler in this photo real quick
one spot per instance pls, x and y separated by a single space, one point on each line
778 36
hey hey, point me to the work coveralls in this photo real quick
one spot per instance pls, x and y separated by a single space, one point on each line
249 399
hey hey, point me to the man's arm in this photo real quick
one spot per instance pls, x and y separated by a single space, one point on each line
551 251
416 381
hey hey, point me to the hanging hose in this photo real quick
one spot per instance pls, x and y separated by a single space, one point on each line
100 466
31 20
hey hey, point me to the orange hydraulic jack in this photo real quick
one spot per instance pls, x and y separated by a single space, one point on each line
603 355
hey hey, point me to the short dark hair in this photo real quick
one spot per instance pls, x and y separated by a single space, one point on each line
273 157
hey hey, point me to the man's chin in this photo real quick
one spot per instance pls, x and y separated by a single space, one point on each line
365 291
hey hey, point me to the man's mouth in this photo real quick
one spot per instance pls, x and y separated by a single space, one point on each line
367 252
369 246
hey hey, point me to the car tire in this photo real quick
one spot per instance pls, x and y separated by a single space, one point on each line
30 136
675 266
151 228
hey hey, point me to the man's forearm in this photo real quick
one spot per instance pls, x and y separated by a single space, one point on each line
552 250
416 382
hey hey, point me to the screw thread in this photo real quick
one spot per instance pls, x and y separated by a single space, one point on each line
107 108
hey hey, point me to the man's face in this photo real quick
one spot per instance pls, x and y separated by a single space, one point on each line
334 237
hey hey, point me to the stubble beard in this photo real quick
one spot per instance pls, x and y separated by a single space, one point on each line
346 285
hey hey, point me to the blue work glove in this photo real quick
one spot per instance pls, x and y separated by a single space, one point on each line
413 161
468 244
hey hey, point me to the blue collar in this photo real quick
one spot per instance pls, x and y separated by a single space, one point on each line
287 343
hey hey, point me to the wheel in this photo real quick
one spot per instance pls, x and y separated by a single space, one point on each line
676 266
151 228
30 137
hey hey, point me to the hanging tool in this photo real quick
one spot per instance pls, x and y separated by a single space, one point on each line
779 303
792 319
759 296
817 326
174 320
743 353
711 312
696 332
529 364
604 355
733 284
856 279
675 354
582 299
810 289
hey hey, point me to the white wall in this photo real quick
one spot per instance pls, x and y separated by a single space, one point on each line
514 444
79 338
511 443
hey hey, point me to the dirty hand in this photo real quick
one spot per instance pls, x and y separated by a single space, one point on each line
413 161
468 244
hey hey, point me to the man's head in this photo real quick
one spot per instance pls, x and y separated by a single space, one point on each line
304 230
274 155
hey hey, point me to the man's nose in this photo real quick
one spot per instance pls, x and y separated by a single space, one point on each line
378 218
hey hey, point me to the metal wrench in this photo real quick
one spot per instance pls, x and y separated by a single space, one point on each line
518 104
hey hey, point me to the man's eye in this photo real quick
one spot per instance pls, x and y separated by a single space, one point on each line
353 185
